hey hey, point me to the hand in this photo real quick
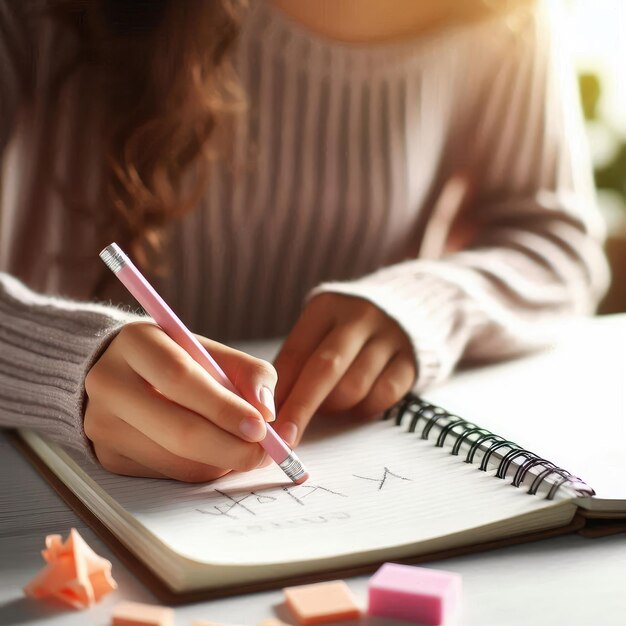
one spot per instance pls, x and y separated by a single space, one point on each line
153 411
344 354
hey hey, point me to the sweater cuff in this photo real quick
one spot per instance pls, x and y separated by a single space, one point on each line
48 346
430 309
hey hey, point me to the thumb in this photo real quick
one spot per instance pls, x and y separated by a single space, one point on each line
254 379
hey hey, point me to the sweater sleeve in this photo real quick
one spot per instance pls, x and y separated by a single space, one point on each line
532 248
47 346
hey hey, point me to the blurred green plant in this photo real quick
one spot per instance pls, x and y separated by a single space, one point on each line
611 175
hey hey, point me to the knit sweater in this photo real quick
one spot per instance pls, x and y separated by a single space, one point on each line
445 179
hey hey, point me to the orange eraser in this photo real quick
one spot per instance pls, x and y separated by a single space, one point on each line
322 602
137 614
272 622
74 573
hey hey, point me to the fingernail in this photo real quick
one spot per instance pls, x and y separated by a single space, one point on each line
252 428
289 433
267 399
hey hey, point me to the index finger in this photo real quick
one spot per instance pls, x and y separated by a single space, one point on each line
308 332
319 376
164 365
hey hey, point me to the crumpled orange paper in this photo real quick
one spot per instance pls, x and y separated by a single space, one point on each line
75 574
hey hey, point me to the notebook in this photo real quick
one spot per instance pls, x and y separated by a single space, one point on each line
438 475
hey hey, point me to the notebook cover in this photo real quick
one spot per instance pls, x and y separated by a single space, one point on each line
599 527
167 596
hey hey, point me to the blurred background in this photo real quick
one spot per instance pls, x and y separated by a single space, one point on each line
599 35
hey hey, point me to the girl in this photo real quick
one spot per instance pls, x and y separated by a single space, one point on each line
394 187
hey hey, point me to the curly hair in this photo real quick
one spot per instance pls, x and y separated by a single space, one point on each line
168 84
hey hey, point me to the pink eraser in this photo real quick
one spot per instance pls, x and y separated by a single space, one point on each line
322 602
137 614
414 594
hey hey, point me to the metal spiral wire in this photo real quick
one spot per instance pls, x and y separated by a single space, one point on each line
457 431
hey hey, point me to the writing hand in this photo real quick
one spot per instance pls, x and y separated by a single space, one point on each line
343 354
153 411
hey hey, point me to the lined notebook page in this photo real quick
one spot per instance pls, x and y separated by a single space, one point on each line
372 486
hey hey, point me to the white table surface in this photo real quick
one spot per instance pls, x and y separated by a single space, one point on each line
565 581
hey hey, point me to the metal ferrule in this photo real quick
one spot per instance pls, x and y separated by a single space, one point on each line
114 258
292 467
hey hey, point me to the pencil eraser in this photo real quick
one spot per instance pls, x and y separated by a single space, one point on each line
322 602
302 478
138 614
414 594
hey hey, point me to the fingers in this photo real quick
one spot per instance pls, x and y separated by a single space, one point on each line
180 431
320 374
153 411
173 427
344 354
123 449
390 387
255 379
117 464
306 335
168 368
356 384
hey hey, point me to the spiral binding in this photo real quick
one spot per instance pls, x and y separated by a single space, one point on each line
460 431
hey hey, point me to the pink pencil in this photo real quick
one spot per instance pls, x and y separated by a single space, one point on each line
163 315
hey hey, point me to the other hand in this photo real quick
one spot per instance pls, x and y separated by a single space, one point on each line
343 354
